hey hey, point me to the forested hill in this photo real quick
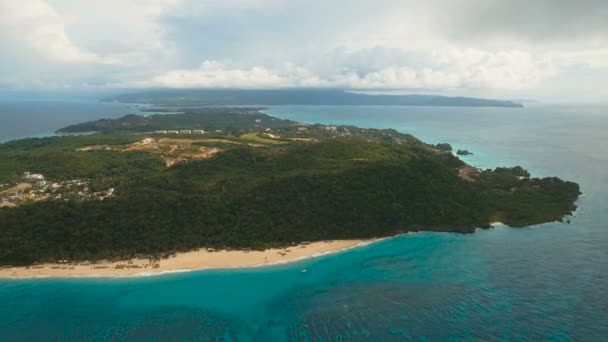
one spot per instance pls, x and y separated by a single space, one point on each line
221 97
114 196
230 120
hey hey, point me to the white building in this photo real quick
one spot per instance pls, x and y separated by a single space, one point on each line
185 131
33 176
198 131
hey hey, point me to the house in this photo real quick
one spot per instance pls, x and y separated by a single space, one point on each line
161 132
172 132
33 176
185 131
198 131
258 120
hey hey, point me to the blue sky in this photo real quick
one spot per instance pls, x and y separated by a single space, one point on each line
553 50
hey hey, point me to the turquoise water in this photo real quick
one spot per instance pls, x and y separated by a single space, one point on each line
548 282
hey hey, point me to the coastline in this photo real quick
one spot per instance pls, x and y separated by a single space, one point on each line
183 262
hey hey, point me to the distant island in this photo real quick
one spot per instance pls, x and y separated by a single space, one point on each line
240 181
232 97
464 152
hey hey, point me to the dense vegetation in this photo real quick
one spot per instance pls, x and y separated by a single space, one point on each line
58 159
444 147
221 97
259 196
228 120
463 152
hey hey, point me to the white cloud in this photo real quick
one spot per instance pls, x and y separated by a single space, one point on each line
212 74
37 26
511 69
204 7
128 32
589 58
459 69
441 45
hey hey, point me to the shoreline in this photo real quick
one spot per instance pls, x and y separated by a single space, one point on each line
198 260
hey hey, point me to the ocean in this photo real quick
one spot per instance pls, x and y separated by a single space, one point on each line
27 118
546 282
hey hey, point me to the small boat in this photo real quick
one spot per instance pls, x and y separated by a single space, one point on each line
304 270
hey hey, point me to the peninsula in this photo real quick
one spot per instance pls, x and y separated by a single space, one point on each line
235 187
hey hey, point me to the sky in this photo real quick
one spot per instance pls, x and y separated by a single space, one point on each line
547 50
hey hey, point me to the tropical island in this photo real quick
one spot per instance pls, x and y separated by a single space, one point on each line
139 193
267 97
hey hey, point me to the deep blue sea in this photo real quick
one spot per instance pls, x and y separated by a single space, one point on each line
547 282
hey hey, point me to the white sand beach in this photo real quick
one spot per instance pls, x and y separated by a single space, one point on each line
181 262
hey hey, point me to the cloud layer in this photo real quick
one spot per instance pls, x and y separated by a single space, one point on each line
469 47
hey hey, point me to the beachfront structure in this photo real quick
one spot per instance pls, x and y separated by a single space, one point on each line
198 131
33 176
161 132
185 131
172 132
